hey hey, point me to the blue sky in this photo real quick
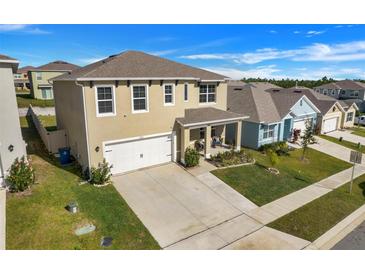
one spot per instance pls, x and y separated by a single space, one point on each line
273 51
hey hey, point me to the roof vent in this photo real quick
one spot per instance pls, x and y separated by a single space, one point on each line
237 89
276 90
297 91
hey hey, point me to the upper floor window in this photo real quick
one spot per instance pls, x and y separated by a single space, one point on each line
38 75
186 92
17 76
207 93
105 100
343 92
349 116
169 94
139 98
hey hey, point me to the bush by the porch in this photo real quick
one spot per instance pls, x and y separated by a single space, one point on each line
229 158
21 175
191 157
280 148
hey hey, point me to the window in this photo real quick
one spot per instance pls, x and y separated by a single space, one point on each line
268 131
169 90
349 116
38 75
213 132
139 98
47 93
333 92
201 133
17 76
207 94
343 92
186 91
356 93
105 101
325 92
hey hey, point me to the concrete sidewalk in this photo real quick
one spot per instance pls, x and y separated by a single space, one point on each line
346 135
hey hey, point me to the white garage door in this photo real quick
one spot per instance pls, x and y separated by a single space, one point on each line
329 125
132 155
300 124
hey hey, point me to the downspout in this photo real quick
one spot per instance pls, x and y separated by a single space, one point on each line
86 126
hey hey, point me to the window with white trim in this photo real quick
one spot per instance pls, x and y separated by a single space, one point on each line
139 98
186 92
105 100
38 75
169 94
207 93
268 131
349 116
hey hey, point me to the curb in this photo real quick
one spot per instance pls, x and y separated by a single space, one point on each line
339 231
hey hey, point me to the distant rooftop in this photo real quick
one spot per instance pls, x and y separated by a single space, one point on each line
344 84
57 66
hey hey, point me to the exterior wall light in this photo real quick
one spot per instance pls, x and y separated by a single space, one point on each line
97 149
11 148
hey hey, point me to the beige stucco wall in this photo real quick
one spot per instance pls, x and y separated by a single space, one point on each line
70 117
333 112
350 123
10 133
46 75
159 119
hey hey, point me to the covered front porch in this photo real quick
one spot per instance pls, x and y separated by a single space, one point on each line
204 129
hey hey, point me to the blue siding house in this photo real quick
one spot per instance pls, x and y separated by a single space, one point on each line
273 115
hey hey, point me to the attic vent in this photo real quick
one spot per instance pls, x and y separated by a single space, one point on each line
276 90
237 89
297 91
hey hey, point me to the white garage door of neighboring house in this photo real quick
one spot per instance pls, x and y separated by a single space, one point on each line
300 124
136 154
329 125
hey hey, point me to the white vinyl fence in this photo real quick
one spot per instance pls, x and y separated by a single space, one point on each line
53 140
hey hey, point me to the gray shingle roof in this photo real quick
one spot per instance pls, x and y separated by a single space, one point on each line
252 100
56 66
136 64
206 115
5 57
344 84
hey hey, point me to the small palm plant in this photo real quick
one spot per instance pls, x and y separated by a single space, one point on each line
307 138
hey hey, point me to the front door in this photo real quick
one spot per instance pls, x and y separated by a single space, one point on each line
287 129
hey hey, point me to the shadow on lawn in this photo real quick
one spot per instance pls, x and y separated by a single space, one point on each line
362 186
35 146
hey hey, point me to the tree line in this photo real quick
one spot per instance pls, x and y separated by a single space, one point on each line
288 83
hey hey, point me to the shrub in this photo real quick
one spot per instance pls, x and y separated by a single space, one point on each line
281 148
21 175
232 157
101 175
274 159
191 157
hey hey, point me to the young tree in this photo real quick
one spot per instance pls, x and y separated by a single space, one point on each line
308 137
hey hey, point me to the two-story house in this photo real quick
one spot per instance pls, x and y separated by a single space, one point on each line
21 79
137 110
39 77
346 89
12 145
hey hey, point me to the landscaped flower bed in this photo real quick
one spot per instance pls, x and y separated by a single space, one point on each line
231 158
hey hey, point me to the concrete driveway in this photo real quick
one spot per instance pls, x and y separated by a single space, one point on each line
181 212
346 135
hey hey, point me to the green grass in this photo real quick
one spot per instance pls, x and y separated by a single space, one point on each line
24 100
38 220
359 131
315 218
344 143
261 187
48 121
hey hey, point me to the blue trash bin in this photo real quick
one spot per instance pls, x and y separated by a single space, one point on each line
65 155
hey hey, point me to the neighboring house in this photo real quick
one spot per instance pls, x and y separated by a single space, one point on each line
11 141
39 78
346 89
137 110
272 115
21 79
335 114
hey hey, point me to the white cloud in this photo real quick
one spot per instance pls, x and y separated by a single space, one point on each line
273 72
164 52
351 51
312 33
22 28
86 61
273 31
296 32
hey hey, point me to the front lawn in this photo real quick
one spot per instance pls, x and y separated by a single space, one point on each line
359 131
315 218
48 121
261 187
344 143
38 220
24 100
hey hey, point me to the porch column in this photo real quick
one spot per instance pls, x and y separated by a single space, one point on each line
207 141
238 135
184 142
